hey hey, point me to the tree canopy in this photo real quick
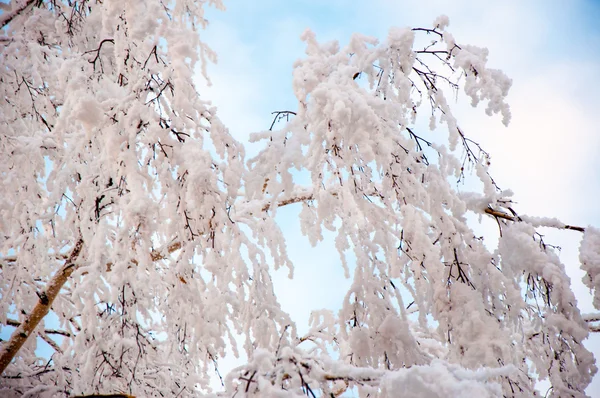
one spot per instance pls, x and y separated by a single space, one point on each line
133 219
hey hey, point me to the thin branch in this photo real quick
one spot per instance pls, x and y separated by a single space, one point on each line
155 255
50 342
428 31
590 320
504 216
6 18
280 115
97 51
290 201
44 334
591 317
16 324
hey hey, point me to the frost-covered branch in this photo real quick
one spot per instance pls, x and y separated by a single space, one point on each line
18 7
292 373
540 222
105 135
44 334
16 324
11 347
593 321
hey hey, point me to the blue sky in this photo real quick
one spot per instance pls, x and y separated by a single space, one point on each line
547 155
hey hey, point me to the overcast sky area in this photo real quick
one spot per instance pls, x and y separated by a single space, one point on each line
548 155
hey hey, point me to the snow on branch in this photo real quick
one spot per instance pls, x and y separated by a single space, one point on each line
593 321
18 7
106 138
294 373
536 221
10 348
589 255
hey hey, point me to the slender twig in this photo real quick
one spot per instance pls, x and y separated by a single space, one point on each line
280 115
97 51
428 31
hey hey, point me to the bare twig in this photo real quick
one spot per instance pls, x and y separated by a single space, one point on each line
281 115
97 52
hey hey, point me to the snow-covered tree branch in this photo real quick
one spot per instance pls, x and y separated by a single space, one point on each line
131 214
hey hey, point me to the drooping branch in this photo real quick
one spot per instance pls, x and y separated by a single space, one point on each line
24 330
46 298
